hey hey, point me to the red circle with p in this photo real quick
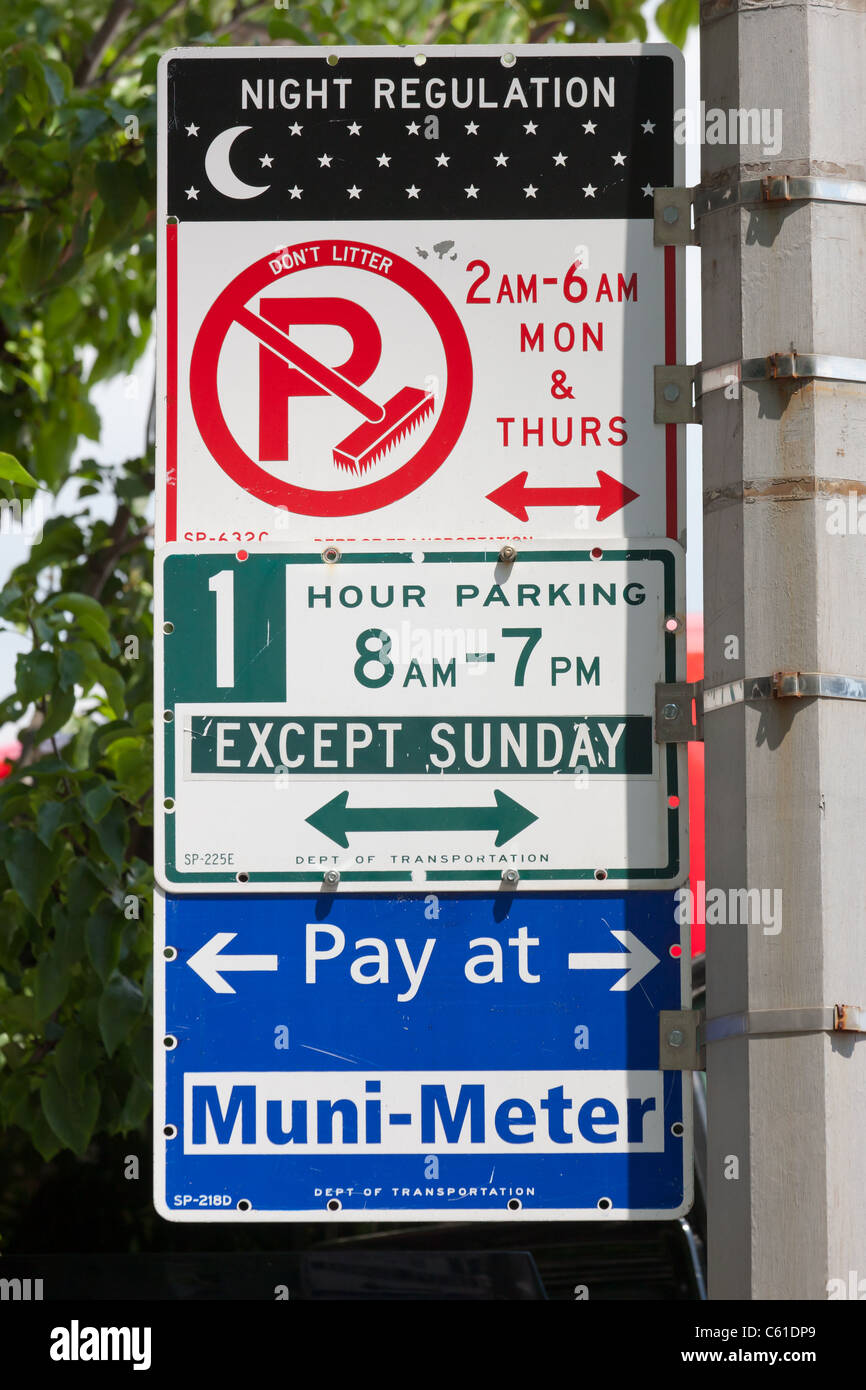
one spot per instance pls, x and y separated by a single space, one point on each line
231 307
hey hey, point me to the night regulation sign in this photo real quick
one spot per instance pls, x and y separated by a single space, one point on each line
384 717
419 1057
413 294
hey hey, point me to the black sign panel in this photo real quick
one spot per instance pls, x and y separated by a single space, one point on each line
258 138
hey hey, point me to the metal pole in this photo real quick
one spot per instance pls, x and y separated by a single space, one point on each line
785 589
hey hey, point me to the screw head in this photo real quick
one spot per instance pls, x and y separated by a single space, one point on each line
670 712
507 554
330 555
511 876
671 214
671 392
332 876
676 1037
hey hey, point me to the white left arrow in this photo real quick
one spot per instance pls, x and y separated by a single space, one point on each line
637 960
209 964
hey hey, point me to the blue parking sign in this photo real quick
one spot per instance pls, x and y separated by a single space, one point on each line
422 1057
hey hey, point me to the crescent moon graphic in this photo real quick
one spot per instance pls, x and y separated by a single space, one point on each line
219 170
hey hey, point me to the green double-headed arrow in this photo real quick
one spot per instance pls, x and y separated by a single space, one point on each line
338 820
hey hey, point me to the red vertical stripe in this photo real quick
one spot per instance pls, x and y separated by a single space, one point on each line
171 383
670 359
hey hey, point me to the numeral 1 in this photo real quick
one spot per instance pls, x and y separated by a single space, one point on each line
223 585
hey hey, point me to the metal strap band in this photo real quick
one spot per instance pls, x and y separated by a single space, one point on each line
778 188
838 1018
780 366
782 685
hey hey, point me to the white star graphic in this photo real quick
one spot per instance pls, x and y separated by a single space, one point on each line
471 191
295 191
191 192
413 128
266 161
560 159
647 190
192 130
471 128
501 160
648 127
589 127
383 160
413 191
530 127
324 161
530 190
354 191
442 160
295 129
618 158
354 128
589 191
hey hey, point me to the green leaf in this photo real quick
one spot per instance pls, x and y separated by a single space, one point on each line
97 801
52 816
52 983
72 1114
676 17
73 670
111 834
10 468
118 189
58 712
103 935
136 1107
42 1136
121 1004
32 868
35 675
113 685
81 606
141 1051
83 888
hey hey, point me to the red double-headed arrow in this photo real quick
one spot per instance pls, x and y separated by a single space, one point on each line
515 497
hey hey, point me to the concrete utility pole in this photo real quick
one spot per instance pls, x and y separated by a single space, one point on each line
783 590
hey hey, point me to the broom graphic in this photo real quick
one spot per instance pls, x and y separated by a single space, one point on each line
385 424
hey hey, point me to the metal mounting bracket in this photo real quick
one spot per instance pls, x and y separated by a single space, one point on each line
679 712
779 366
757 1023
673 207
672 217
777 188
681 706
784 685
674 400
680 1047
679 389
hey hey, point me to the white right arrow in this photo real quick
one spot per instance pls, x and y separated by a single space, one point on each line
209 964
637 960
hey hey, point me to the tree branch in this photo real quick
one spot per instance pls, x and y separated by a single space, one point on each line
238 18
102 41
133 45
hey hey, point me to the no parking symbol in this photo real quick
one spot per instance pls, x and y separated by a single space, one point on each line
287 371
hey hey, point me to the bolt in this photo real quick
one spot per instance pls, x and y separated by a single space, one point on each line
671 392
676 1037
332 877
671 214
670 712
331 555
510 876
507 554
